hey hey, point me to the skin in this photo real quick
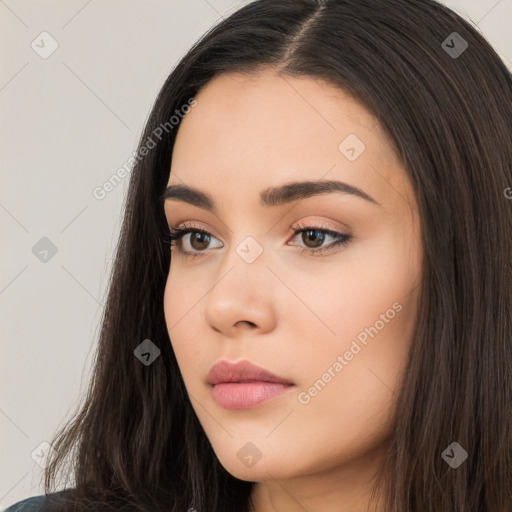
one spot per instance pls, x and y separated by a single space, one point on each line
288 311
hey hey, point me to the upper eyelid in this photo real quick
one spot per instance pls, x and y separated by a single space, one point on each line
317 224
301 227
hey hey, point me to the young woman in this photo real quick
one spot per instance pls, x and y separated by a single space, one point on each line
311 304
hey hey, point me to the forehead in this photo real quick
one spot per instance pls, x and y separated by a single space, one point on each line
249 132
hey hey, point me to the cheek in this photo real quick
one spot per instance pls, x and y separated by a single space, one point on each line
181 303
352 378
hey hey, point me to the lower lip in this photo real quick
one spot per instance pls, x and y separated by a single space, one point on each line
245 395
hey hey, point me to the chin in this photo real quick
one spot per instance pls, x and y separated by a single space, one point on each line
268 467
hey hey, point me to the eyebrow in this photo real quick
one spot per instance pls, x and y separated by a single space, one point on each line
273 196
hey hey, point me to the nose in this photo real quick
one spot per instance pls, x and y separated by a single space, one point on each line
242 299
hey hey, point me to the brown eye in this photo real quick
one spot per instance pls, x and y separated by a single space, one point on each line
191 246
199 241
313 238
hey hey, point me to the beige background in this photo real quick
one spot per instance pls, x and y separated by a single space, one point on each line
68 122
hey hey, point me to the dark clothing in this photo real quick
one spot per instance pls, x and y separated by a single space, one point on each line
32 504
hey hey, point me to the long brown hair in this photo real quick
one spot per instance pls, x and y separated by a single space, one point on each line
444 98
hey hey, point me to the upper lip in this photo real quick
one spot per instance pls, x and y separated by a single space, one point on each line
241 371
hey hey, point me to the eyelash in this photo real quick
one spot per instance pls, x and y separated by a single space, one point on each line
173 238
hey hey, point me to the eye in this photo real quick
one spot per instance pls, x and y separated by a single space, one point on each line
199 240
314 236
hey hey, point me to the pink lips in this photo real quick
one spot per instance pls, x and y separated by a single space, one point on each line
243 385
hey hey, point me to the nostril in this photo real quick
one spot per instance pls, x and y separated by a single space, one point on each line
246 322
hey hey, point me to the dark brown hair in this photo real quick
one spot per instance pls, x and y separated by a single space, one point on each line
136 442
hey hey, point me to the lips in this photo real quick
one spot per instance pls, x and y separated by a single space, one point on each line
243 371
244 385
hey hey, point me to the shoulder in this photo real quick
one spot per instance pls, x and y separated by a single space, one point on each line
32 504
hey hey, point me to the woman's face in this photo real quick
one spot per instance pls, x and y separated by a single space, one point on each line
337 325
